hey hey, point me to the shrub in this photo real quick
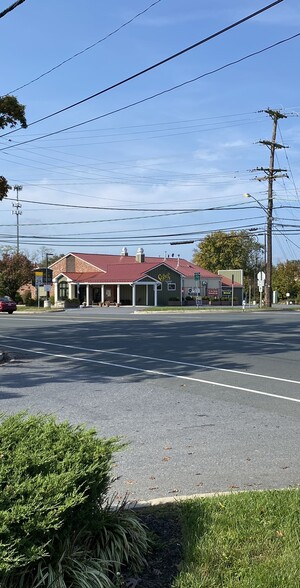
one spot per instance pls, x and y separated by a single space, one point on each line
56 525
72 303
18 298
27 299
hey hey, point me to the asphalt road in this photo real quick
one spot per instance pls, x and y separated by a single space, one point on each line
207 402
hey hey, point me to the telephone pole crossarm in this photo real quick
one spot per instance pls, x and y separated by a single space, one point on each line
271 174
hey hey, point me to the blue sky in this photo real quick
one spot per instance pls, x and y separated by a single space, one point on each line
166 161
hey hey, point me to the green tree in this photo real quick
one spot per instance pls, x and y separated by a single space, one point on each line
15 271
286 278
11 113
234 250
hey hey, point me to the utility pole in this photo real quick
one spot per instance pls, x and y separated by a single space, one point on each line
17 212
271 174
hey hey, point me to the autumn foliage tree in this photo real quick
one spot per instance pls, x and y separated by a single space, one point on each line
15 271
286 278
234 250
11 113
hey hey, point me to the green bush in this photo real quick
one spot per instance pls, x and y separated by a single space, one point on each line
56 525
18 298
27 299
72 303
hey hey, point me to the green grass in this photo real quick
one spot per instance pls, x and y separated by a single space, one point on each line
246 540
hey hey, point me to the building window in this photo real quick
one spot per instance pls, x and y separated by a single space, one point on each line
159 286
171 286
63 290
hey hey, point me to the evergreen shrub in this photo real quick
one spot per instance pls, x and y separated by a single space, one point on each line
56 525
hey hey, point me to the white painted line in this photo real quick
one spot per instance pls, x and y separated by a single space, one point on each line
172 361
256 341
156 373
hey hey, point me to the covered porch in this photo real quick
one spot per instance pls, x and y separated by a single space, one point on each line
142 292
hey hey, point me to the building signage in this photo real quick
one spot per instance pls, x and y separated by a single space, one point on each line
42 276
212 291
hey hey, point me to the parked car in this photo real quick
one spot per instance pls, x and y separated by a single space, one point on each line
7 304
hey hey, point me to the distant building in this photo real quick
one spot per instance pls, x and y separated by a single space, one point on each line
133 280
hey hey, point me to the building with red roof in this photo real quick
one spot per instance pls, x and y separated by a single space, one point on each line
134 280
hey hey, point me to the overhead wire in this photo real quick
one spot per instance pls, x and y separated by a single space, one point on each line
11 7
122 26
143 100
153 66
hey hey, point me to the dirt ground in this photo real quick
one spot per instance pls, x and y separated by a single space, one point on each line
164 559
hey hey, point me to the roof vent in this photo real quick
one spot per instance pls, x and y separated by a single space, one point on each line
124 252
140 255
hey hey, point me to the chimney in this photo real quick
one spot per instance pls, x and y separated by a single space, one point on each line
124 252
140 255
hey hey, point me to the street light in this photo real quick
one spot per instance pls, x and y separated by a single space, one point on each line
17 206
268 247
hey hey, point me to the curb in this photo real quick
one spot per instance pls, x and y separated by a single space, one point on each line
174 499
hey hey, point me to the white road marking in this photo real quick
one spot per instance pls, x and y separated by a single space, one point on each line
156 373
256 341
151 358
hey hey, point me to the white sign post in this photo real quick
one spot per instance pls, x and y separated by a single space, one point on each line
261 276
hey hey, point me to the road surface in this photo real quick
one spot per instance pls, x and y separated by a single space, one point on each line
206 402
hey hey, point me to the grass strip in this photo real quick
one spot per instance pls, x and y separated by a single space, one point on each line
246 540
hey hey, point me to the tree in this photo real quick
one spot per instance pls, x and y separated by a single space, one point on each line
286 278
15 271
234 250
39 256
11 113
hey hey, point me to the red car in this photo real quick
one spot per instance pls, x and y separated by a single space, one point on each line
7 304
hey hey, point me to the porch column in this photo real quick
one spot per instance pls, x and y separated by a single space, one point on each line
55 284
87 294
147 295
155 294
102 293
71 291
118 293
133 294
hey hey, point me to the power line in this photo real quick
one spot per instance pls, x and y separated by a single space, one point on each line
143 100
11 7
86 48
155 65
81 206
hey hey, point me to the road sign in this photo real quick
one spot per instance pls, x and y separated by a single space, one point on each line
38 279
260 282
261 276
261 288
197 277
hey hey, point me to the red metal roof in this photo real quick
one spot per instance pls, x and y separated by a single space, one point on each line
125 268
228 282
183 266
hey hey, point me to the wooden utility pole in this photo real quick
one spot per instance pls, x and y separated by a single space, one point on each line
271 174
